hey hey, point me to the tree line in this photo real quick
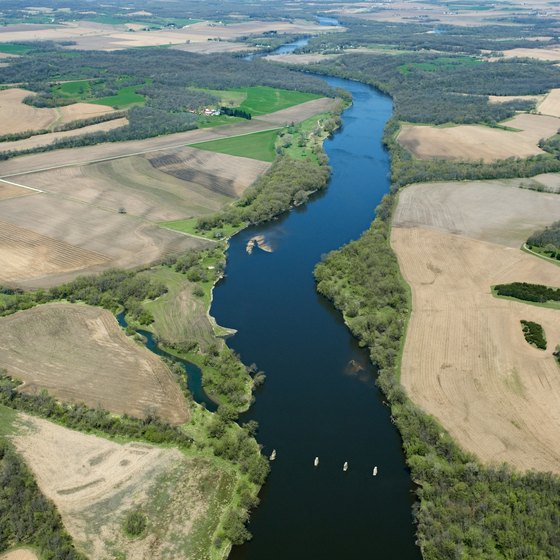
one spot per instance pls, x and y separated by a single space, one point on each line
528 292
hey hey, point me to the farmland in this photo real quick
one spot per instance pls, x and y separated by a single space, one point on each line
477 142
259 145
79 354
20 554
106 35
497 395
95 483
16 116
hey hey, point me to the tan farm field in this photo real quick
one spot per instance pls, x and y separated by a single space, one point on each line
52 137
477 142
95 482
20 554
550 105
89 35
465 359
16 116
80 354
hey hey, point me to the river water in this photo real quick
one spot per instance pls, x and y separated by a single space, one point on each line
319 398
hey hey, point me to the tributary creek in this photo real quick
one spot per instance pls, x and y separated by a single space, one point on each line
320 397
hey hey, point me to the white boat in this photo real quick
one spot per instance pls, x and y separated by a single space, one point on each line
374 471
316 462
345 466
273 456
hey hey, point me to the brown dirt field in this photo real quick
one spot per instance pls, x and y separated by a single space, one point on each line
474 142
540 54
133 183
52 137
465 358
493 211
551 104
62 237
219 173
550 181
80 354
11 191
299 113
16 116
212 47
26 254
88 35
94 482
78 111
504 98
20 554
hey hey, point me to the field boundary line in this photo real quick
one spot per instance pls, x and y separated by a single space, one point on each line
22 186
189 234
183 144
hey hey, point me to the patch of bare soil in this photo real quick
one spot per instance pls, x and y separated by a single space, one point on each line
465 358
80 354
95 482
476 142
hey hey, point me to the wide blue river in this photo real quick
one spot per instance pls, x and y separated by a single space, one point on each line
320 397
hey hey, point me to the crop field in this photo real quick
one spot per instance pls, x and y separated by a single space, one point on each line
108 150
133 184
475 142
49 239
549 54
16 116
95 482
550 104
80 354
221 174
260 100
298 113
259 145
105 36
11 191
52 137
14 48
465 359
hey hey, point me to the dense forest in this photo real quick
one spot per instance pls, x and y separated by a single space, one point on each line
466 509
436 89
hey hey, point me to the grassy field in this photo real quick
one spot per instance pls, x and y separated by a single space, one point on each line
14 48
179 315
258 145
80 90
80 354
261 100
465 359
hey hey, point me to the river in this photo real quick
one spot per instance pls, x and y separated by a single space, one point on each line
319 398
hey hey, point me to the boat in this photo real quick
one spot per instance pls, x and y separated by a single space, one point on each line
316 462
345 466
374 471
273 455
